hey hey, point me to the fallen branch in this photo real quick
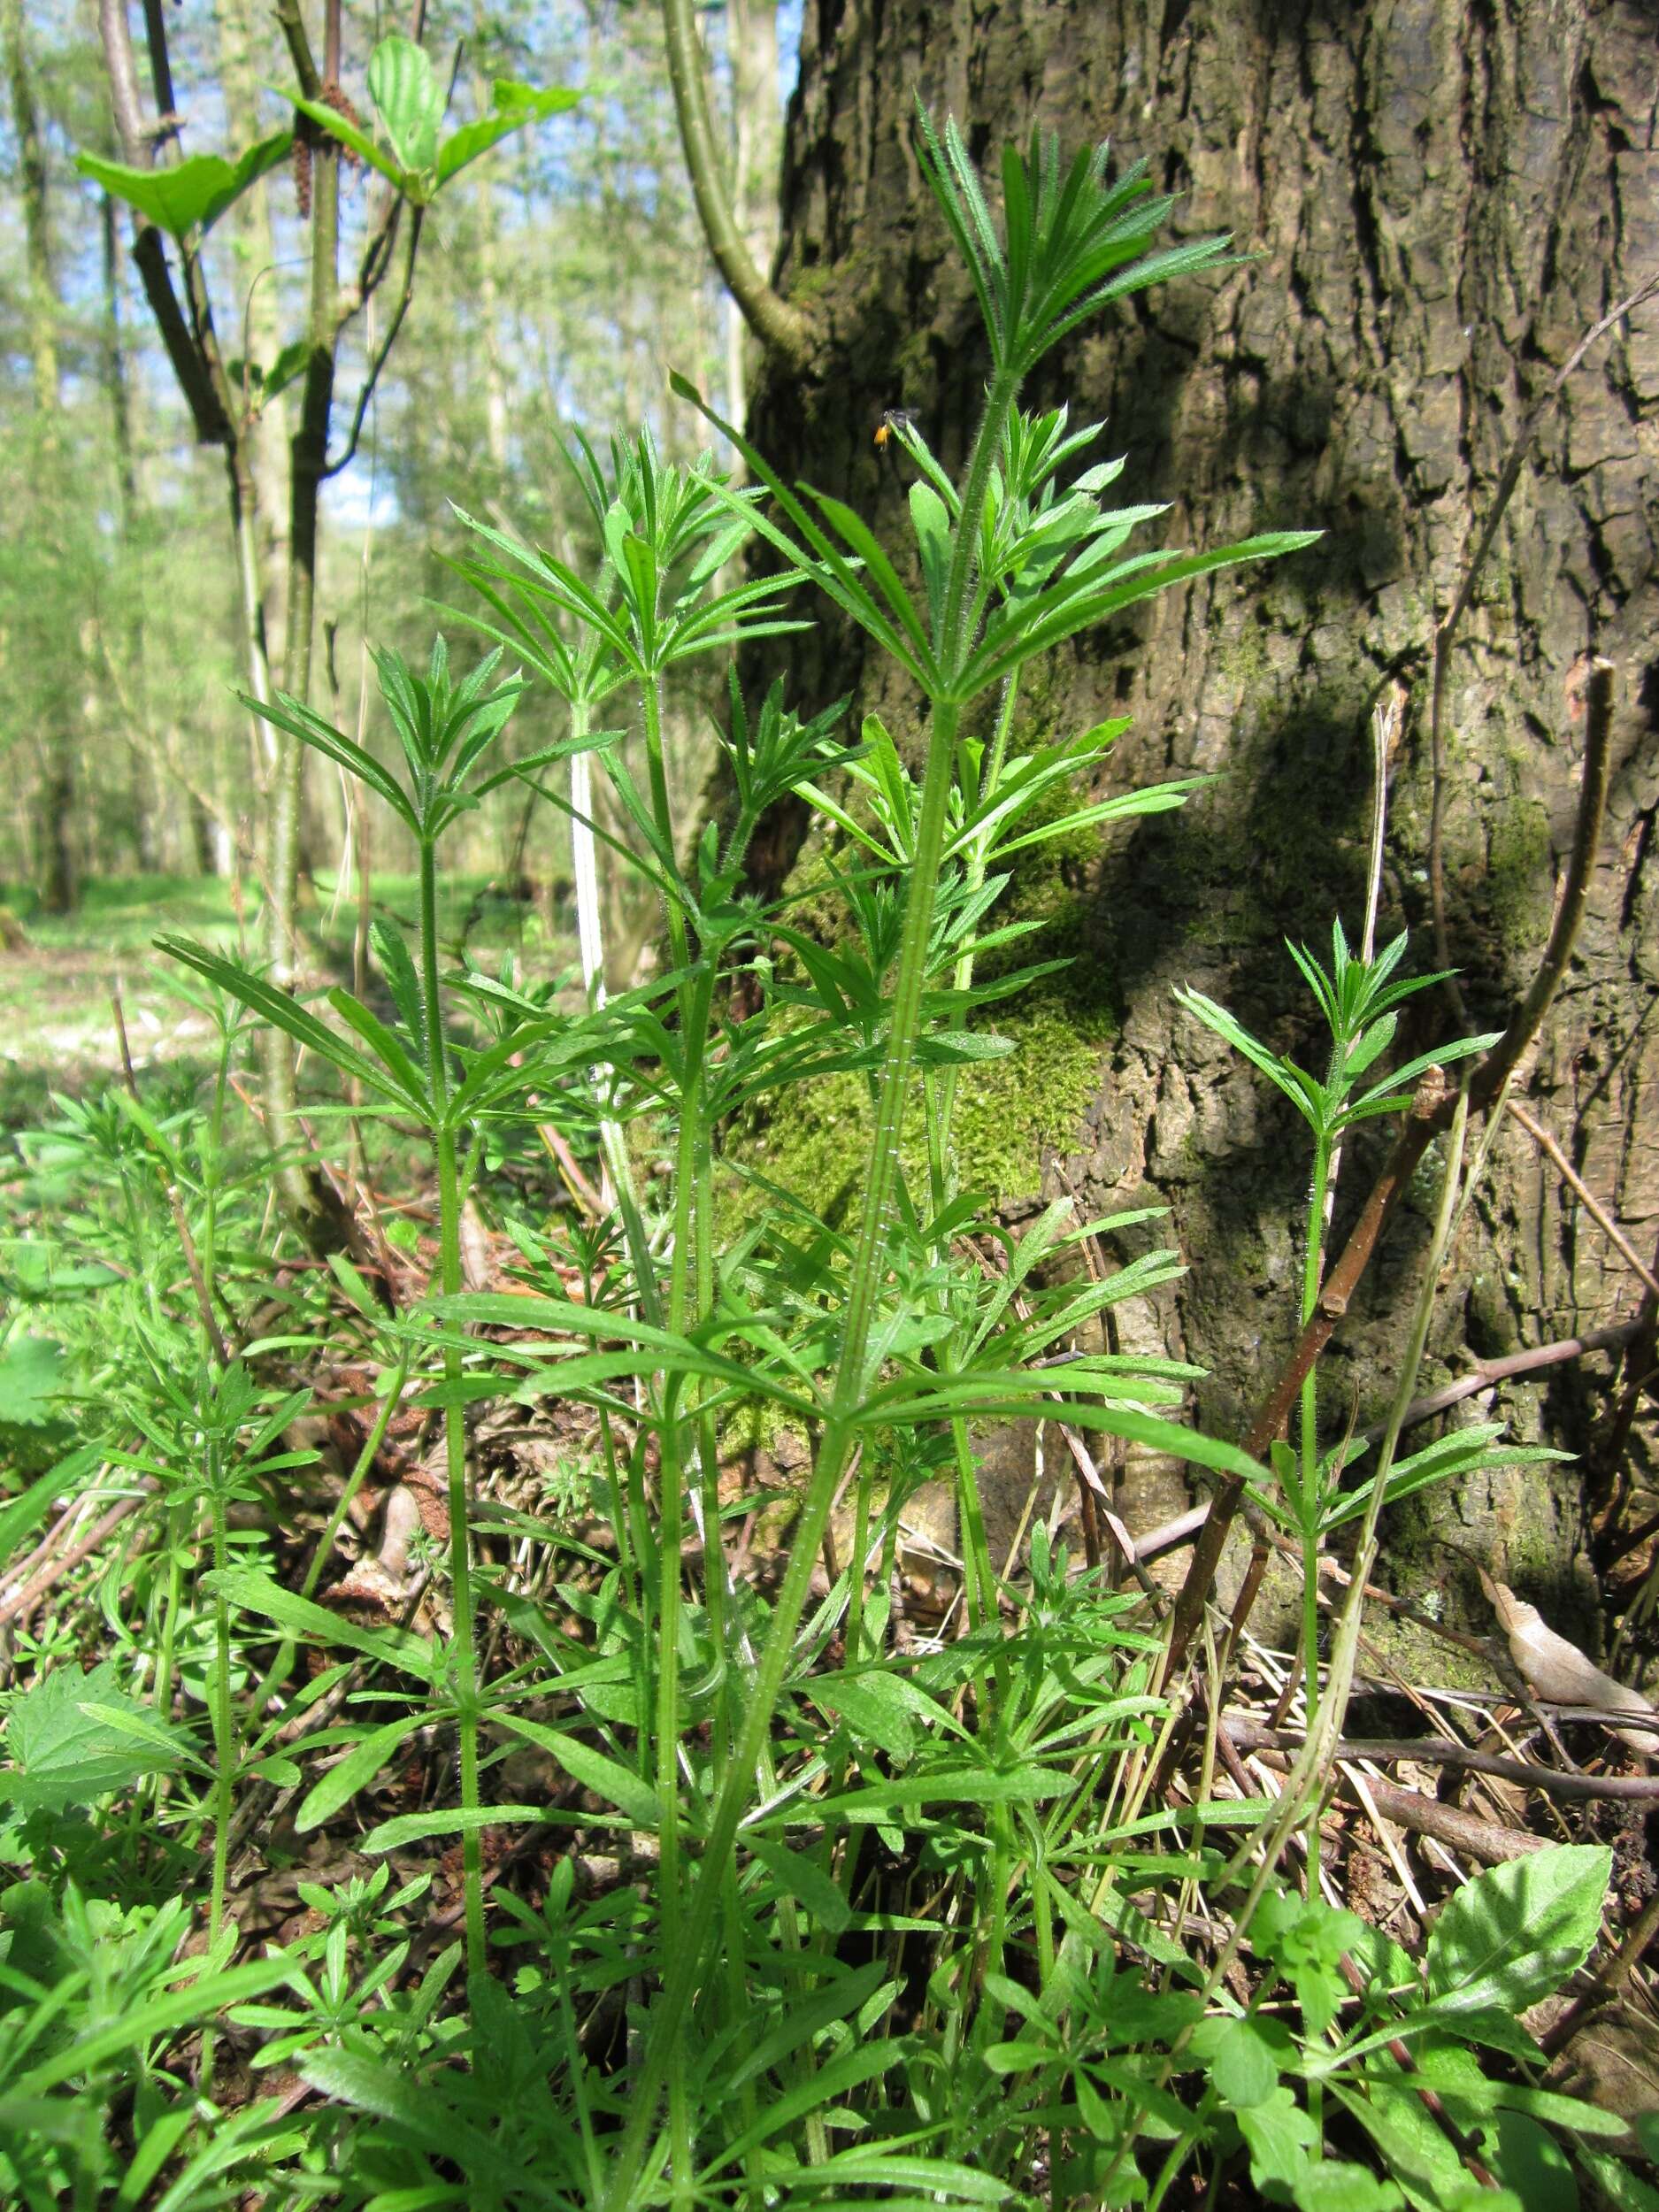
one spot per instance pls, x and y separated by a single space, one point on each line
1488 1372
1488 1840
1249 1735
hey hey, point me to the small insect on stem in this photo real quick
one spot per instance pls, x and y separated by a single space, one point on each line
894 422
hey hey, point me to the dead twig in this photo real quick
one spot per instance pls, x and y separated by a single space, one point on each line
1486 1373
1587 1198
22 1602
1250 1735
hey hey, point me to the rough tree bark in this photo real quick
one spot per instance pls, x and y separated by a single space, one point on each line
1439 200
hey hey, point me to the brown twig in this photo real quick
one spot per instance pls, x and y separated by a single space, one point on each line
1639 1372
22 1602
1587 1198
1488 1372
1249 1735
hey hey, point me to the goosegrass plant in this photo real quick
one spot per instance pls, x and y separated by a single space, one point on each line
851 1914
1359 998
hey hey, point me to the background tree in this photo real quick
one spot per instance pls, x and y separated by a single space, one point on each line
1438 204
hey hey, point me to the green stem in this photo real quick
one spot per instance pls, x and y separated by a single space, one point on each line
838 1435
613 1144
224 1741
939 1150
1310 1504
662 810
835 1447
449 1279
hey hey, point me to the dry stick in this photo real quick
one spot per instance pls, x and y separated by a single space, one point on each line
1429 1112
1250 1735
1486 1373
1597 1212
1639 1371
22 1602
1445 634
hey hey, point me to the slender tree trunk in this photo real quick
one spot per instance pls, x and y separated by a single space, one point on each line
308 457
259 302
1438 202
55 797
489 320
757 148
41 296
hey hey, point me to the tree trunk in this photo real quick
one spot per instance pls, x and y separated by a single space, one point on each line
1438 202
55 798
40 293
258 311
751 31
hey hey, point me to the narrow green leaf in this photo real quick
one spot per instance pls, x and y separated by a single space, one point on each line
254 1593
342 1780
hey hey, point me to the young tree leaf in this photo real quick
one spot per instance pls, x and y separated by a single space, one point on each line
193 195
405 87
514 107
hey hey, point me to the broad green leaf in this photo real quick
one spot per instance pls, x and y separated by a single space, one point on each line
1332 2185
405 87
943 1786
839 1999
1242 2069
841 2076
607 1778
65 1755
1280 2135
869 1701
31 1375
1517 1931
1529 2160
876 2168
802 1878
513 106
397 2098
451 1820
190 195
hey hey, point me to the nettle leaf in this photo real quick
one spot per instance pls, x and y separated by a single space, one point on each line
1517 1931
67 1755
31 1379
192 194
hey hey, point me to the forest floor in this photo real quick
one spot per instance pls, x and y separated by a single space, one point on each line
59 985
